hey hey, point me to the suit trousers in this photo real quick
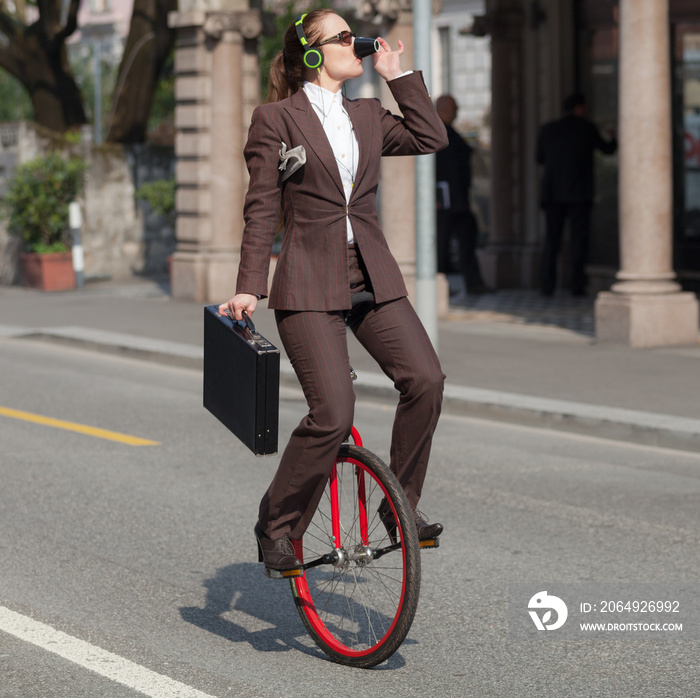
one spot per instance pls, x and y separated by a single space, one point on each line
579 216
316 344
463 226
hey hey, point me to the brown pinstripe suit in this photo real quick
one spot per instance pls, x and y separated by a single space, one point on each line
312 287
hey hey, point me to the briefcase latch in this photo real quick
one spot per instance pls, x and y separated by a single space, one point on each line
257 338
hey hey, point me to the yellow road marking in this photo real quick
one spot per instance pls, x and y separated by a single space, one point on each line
80 428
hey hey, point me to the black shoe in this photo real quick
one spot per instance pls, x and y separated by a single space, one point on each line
426 532
278 555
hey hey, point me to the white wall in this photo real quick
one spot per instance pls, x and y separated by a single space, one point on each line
462 62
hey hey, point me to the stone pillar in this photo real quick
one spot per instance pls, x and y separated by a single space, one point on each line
646 307
398 175
507 261
216 90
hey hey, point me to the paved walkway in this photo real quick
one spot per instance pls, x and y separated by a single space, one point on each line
510 355
529 307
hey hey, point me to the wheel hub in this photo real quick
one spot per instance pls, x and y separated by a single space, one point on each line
361 555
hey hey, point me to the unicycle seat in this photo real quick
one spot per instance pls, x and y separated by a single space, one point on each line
362 302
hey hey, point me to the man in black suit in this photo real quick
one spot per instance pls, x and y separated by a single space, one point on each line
453 175
565 148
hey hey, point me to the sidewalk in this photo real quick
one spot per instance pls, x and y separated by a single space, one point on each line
511 356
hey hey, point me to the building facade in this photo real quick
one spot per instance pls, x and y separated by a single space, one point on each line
637 62
509 64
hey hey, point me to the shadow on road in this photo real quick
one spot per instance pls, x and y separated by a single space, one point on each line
242 589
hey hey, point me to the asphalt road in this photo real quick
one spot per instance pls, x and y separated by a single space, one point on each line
146 552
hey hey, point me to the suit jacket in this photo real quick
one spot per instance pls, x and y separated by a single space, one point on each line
565 147
312 269
453 165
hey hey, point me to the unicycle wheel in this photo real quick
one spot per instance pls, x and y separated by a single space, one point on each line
359 591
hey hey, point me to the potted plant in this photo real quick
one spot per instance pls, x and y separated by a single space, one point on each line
36 204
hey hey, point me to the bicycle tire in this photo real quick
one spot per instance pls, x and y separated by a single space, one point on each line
358 605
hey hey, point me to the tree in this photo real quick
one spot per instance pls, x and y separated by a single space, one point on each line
145 55
35 54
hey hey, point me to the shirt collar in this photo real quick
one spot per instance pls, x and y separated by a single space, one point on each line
320 97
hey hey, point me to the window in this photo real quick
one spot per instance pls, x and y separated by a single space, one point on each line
445 64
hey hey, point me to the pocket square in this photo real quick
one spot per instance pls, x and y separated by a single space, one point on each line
291 160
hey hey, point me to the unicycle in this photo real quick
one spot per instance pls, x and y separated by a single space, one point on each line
359 589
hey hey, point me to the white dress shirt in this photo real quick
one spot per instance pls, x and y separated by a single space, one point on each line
341 136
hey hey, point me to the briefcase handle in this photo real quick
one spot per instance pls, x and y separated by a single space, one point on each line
246 319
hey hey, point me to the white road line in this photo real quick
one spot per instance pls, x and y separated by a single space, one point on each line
100 661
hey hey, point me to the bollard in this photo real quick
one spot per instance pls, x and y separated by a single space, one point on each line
77 250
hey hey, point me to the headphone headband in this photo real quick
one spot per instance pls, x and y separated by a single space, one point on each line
299 26
313 58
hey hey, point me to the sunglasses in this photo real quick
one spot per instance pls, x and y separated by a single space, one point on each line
345 38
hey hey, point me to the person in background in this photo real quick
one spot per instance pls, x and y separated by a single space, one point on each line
565 149
455 219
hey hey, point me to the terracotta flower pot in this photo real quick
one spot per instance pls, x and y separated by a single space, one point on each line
49 272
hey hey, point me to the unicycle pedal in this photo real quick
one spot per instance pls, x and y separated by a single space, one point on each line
283 574
430 543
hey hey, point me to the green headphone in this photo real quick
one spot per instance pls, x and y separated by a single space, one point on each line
313 58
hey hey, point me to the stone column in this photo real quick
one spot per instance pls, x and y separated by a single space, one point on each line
214 89
398 175
506 261
646 307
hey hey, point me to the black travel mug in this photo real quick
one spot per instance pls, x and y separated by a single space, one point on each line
364 47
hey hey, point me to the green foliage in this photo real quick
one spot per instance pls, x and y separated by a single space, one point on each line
15 104
160 194
73 137
37 200
43 248
163 108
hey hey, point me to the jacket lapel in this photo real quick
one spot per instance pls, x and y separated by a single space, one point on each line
302 113
363 133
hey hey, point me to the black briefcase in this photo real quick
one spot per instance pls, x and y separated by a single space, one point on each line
241 380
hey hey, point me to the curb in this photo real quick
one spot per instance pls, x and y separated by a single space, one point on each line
119 344
636 426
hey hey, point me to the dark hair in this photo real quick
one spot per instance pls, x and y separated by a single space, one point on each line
577 99
287 69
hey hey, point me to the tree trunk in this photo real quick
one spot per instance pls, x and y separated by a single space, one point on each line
56 98
37 58
147 48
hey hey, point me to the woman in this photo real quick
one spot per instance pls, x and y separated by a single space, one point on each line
333 247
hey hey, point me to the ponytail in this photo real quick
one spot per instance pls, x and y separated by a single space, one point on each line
287 71
281 83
